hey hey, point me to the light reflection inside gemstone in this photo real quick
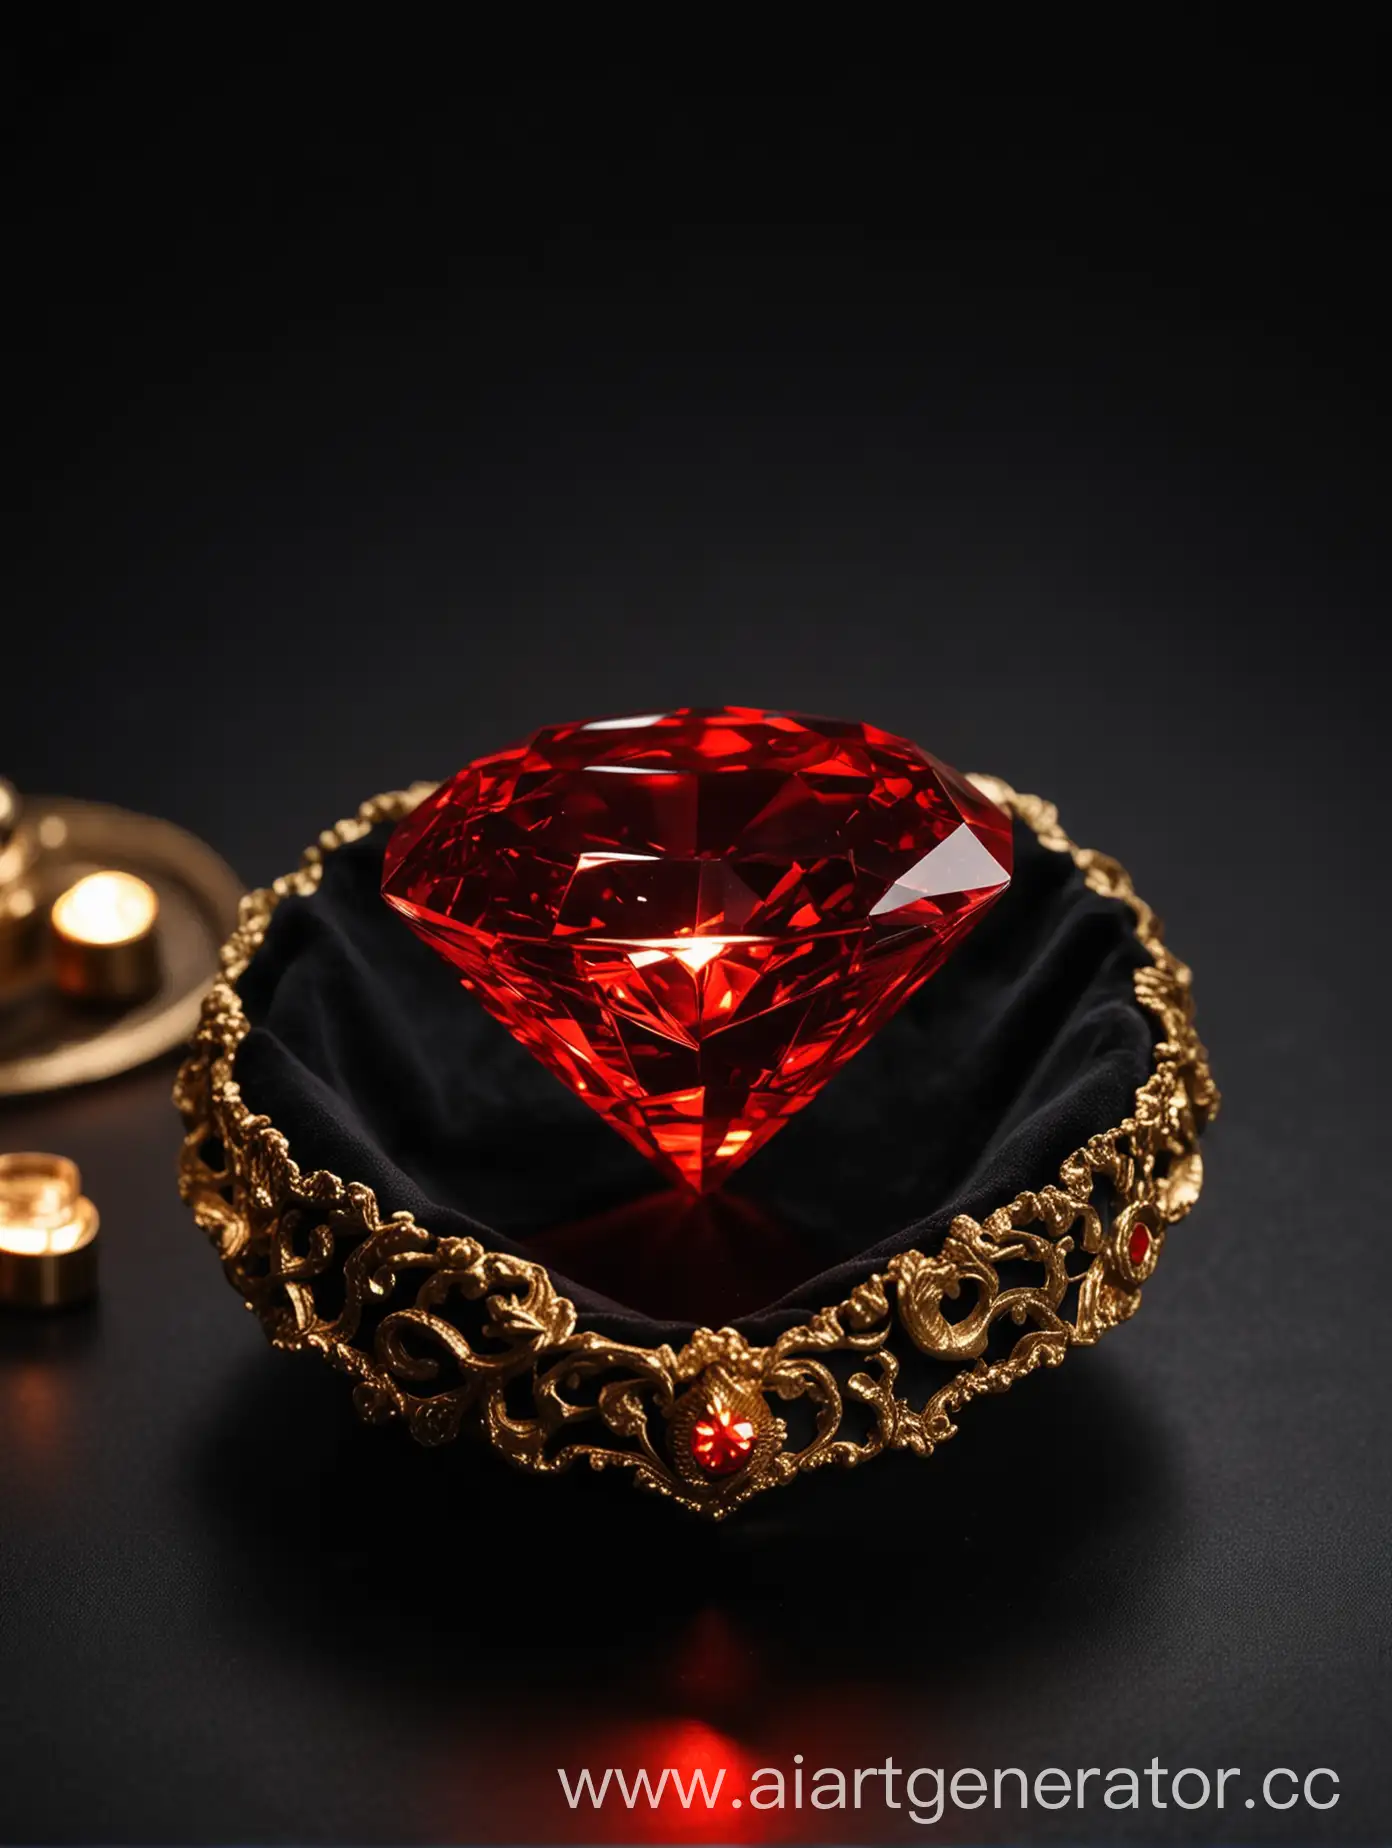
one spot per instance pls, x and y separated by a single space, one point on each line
767 853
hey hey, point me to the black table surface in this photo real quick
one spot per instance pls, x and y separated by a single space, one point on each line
336 487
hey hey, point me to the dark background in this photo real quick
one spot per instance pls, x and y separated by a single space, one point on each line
369 416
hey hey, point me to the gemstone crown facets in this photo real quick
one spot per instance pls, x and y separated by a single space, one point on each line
695 918
722 1443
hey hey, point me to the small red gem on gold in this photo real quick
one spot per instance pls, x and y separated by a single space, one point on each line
722 1442
1139 1246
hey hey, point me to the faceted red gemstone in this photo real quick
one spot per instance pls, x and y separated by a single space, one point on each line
722 1442
695 918
1139 1245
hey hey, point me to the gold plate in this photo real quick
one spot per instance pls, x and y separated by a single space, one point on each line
48 1042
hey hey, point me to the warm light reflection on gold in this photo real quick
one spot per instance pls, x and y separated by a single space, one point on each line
43 1241
41 1206
106 908
104 942
48 1232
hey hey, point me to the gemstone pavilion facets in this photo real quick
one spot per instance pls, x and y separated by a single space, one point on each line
695 918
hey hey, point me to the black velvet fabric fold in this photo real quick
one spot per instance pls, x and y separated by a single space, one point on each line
377 1065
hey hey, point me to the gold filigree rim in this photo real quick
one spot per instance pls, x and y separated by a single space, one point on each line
442 1334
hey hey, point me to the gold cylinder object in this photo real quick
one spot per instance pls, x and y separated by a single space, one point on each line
48 1233
104 936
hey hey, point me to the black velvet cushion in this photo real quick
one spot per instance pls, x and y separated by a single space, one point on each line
377 1065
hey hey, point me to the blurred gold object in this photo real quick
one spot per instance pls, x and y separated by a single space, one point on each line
21 914
104 938
48 1233
101 905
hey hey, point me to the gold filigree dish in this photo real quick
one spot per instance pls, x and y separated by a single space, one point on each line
444 1336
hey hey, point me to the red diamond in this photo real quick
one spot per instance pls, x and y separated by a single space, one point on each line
1139 1246
721 1443
694 919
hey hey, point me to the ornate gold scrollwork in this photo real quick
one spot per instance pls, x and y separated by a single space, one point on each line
443 1335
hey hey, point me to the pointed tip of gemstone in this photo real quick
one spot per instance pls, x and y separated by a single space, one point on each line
697 943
